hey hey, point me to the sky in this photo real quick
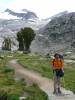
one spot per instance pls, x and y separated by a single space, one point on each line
43 8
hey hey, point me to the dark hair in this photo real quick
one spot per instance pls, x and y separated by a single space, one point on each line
56 54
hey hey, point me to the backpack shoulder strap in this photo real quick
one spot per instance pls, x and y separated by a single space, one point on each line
53 62
61 62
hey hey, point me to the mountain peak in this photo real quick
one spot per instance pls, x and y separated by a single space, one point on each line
7 10
24 14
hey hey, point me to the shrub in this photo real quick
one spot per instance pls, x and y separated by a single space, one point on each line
7 70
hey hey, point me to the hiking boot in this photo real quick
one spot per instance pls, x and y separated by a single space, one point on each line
55 92
59 91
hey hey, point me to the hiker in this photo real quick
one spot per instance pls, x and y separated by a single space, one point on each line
57 66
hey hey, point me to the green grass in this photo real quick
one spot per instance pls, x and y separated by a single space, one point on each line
70 79
7 83
43 66
10 89
35 93
36 63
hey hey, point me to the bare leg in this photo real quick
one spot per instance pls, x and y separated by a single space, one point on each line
58 84
55 84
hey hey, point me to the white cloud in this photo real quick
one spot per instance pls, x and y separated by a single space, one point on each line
44 8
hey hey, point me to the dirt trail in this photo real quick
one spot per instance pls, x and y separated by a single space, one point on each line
44 83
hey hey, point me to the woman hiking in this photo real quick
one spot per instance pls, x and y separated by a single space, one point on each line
58 72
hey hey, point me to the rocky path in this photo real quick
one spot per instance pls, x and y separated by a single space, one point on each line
44 83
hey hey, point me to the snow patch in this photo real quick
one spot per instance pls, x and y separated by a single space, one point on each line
6 15
69 61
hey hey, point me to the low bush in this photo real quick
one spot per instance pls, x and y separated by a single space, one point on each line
7 70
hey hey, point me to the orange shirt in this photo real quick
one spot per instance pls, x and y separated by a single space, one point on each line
57 64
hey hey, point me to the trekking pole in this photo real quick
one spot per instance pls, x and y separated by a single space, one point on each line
63 81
